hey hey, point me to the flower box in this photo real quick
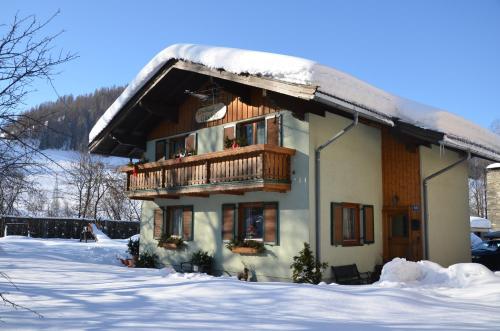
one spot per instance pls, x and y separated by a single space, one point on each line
170 246
245 250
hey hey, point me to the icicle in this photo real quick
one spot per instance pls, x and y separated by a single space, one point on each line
441 149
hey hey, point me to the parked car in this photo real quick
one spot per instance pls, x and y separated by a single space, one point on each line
488 254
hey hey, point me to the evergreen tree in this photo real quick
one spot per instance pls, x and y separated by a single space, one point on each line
306 269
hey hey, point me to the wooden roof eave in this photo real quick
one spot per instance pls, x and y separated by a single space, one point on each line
305 92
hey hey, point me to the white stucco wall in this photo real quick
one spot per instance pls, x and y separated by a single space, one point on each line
351 171
293 212
448 225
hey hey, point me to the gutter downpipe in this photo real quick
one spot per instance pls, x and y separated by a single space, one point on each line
317 179
426 202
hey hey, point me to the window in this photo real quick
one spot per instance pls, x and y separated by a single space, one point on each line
182 146
255 221
351 224
179 222
160 150
251 133
177 147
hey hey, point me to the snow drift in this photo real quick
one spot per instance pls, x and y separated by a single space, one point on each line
400 272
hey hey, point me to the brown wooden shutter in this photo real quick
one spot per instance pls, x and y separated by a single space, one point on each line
273 131
368 225
228 218
271 223
187 223
190 143
229 132
158 223
336 224
159 150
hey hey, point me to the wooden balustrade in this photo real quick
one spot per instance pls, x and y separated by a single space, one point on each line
250 168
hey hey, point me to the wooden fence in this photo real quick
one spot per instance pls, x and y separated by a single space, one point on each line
45 227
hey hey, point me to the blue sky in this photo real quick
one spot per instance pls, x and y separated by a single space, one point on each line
443 53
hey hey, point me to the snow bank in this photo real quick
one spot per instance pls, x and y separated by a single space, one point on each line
98 234
169 272
400 272
479 222
329 82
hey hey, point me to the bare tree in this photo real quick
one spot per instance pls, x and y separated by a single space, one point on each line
97 190
116 205
36 202
25 56
477 180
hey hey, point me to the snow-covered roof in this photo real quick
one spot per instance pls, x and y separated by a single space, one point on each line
479 223
493 166
329 82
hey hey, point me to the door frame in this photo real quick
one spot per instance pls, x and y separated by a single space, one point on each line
386 212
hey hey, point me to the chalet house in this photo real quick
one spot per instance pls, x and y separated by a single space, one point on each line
281 150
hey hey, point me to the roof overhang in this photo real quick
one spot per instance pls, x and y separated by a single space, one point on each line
126 133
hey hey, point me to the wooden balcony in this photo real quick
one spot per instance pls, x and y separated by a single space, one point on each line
233 171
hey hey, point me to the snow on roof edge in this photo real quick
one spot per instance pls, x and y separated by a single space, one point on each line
493 166
330 81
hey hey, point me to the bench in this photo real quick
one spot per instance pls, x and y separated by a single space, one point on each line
349 275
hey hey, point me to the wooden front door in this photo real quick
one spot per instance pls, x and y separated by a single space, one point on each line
399 237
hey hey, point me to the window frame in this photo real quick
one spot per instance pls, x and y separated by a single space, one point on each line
254 122
168 225
357 229
240 220
360 224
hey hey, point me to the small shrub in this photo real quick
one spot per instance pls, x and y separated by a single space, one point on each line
259 245
133 247
202 258
147 260
306 269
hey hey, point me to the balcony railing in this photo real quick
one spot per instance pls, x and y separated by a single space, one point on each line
234 171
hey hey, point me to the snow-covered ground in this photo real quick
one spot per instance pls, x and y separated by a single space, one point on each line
78 286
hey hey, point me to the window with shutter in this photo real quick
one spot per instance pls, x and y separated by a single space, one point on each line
336 224
273 130
271 223
368 225
179 222
228 221
187 223
158 223
258 221
345 224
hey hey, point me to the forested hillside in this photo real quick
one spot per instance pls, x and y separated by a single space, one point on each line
66 123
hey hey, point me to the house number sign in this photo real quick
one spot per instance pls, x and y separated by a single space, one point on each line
211 113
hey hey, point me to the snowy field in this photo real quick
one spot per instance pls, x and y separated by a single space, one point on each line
78 286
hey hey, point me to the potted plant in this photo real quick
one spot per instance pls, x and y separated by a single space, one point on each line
202 262
133 249
246 246
170 242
